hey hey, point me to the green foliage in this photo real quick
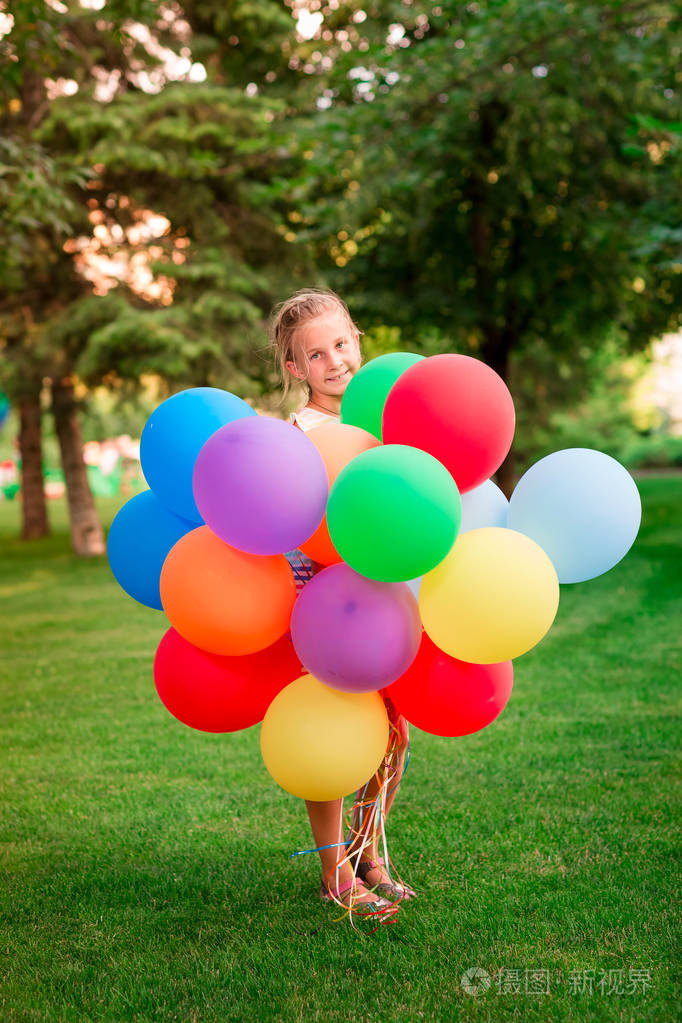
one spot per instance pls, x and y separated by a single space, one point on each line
653 451
200 154
7 436
171 343
111 413
585 400
501 179
579 398
65 40
505 171
243 41
39 210
381 340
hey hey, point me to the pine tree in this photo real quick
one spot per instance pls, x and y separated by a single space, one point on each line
140 231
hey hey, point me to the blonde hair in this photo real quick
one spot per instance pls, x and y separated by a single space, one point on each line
289 316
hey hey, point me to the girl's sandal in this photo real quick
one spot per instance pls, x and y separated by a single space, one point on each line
356 900
387 888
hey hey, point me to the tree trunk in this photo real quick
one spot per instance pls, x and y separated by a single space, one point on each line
87 538
505 477
495 352
33 505
498 340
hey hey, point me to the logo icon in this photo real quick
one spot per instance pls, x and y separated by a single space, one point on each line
475 980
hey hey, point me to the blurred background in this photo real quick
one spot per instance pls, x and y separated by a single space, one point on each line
495 178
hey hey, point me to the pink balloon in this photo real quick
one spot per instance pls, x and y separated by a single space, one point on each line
354 633
444 696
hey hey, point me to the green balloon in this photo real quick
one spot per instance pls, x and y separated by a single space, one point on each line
364 398
394 513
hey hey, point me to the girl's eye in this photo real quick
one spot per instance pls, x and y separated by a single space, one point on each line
340 344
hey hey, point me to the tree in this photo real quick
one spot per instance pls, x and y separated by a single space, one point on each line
142 163
39 279
504 173
39 212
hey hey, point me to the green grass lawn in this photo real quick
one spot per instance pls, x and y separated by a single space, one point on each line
145 866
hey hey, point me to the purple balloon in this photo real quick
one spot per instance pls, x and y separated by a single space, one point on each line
354 633
260 485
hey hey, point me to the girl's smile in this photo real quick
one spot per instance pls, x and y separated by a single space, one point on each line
340 376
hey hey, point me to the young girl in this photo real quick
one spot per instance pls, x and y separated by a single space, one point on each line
316 343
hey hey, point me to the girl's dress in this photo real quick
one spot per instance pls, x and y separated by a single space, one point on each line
301 565
308 418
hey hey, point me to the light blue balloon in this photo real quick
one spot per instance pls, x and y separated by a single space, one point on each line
140 537
416 584
582 507
483 506
174 435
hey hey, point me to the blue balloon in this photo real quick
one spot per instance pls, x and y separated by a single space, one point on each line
483 506
174 435
140 537
4 409
582 507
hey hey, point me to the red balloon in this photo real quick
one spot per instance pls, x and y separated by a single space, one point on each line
444 696
457 409
214 693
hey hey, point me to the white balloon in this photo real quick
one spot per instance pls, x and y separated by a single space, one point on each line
582 507
483 506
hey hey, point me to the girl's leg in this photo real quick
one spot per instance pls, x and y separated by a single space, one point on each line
326 821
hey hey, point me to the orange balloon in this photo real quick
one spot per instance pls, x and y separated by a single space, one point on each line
224 600
338 443
319 546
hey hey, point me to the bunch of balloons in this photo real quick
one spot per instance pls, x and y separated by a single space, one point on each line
431 581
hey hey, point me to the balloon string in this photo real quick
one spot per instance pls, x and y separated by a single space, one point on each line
318 848
371 814
366 819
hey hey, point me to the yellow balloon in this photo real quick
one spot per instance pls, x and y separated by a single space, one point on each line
321 743
493 597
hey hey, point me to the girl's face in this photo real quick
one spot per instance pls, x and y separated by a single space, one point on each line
327 354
